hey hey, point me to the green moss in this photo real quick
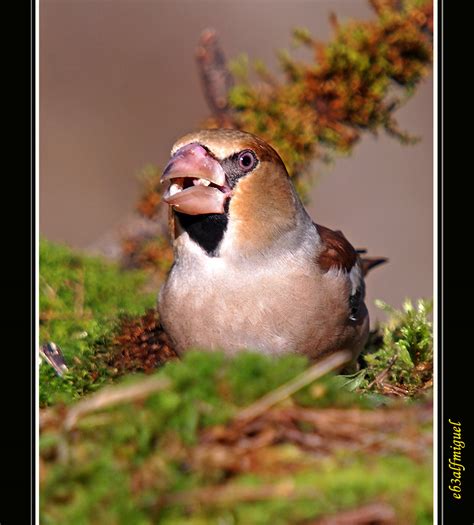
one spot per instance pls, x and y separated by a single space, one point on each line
81 299
125 464
343 483
404 357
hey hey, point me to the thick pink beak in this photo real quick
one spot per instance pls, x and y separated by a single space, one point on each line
197 182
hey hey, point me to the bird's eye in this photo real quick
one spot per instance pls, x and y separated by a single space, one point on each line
247 160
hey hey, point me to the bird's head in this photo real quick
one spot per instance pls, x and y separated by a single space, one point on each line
225 179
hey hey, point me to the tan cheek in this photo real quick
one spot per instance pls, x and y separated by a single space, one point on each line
262 207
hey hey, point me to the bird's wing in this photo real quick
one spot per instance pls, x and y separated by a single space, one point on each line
338 253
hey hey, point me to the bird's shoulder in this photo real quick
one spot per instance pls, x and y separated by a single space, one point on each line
335 252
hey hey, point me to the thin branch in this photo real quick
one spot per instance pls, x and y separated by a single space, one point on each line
379 513
215 77
114 395
318 370
233 494
381 376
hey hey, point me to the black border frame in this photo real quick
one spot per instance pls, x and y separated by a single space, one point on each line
18 414
453 375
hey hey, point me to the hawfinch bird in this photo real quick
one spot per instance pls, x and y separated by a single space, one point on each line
252 270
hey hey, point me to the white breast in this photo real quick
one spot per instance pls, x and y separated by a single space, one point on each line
273 304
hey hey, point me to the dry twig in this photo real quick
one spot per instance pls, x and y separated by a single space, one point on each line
329 364
232 494
112 396
216 78
380 377
371 514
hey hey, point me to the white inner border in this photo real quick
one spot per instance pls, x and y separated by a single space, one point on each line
36 346
435 263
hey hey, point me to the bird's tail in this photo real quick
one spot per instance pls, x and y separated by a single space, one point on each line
367 263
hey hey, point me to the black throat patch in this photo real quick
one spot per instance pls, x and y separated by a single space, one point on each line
206 230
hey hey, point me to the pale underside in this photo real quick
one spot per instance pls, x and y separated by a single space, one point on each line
277 304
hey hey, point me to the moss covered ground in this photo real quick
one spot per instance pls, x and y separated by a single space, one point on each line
132 435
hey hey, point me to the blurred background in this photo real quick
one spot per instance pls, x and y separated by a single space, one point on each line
119 83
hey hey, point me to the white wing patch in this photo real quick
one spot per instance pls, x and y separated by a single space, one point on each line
355 275
357 292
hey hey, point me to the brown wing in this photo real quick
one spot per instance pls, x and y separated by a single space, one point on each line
337 251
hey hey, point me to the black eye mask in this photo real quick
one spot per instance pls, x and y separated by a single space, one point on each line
238 165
